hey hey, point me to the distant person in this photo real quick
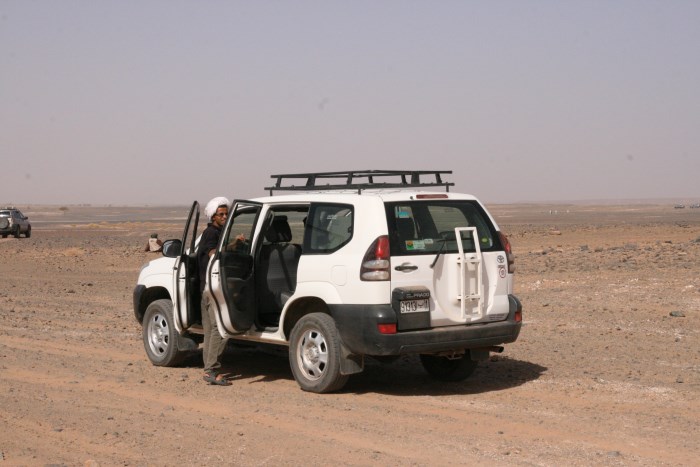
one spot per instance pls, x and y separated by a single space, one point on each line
154 244
216 212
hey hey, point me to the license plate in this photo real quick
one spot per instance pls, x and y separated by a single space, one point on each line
414 306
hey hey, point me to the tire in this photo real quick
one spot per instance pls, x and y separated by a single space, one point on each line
160 338
29 232
314 354
449 370
16 234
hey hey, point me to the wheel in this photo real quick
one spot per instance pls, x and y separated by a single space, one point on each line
17 232
445 369
314 354
160 338
4 235
29 232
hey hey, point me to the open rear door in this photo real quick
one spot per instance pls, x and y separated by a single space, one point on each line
187 296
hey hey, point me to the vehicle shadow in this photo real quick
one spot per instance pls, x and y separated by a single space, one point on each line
257 363
403 377
406 377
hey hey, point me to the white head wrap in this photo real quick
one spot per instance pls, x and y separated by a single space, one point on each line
213 205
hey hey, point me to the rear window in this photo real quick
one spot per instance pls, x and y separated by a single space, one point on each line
426 227
4 213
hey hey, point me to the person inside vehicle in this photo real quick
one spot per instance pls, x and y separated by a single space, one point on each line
154 244
216 212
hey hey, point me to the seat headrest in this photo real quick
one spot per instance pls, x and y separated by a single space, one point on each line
279 230
405 228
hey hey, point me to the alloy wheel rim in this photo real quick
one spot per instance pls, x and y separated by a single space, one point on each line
312 354
158 335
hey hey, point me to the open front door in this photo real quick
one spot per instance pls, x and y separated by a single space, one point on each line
231 274
187 297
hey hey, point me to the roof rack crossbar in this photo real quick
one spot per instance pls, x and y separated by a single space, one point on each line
348 180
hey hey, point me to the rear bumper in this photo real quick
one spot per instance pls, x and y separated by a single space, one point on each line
357 326
11 230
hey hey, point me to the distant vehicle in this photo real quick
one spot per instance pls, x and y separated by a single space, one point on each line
695 206
679 206
12 221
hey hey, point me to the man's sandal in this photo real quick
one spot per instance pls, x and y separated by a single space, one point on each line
212 377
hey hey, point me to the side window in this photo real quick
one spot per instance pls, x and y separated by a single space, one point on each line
328 227
242 224
285 224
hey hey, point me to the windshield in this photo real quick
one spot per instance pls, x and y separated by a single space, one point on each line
426 227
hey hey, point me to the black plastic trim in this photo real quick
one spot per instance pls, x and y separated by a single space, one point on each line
357 325
345 180
139 291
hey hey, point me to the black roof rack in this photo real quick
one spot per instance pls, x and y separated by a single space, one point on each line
360 180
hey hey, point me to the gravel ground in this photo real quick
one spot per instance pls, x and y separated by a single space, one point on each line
606 370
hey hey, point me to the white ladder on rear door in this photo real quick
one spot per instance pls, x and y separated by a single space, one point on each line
470 262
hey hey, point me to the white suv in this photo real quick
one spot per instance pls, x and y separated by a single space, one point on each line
343 266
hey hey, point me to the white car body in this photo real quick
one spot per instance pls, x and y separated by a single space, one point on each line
375 272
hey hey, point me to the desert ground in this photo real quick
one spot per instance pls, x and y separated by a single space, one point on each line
606 370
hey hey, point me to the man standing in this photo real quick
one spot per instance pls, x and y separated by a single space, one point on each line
216 212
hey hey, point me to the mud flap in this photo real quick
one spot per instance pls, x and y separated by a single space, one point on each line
350 363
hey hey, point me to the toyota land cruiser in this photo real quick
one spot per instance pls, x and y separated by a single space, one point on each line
339 267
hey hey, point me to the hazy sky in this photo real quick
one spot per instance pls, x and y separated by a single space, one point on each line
163 102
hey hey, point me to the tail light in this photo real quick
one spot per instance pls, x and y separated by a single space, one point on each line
509 252
375 264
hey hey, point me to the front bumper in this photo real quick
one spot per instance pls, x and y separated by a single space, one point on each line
357 326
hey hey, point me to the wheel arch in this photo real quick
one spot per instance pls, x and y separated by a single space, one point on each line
300 308
147 297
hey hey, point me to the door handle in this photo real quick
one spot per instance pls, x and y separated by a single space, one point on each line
406 267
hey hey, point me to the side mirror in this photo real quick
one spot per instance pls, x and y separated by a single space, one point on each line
172 248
